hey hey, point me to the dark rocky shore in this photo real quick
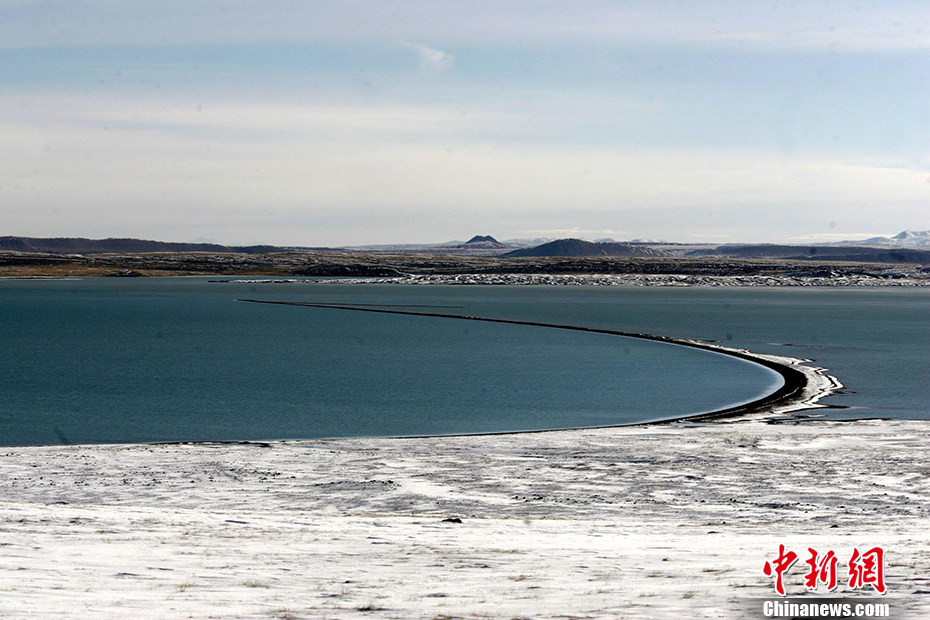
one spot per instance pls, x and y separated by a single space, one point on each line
482 270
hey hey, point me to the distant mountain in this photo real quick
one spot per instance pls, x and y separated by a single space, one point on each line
911 247
482 242
479 245
864 254
483 239
580 247
78 245
905 238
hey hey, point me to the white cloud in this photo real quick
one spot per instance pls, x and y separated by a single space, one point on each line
431 60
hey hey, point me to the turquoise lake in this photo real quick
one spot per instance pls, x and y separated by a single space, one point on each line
175 359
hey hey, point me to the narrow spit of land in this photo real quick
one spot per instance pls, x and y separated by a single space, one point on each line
802 386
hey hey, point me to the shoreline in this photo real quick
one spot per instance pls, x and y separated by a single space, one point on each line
629 280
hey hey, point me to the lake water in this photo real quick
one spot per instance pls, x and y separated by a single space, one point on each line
165 359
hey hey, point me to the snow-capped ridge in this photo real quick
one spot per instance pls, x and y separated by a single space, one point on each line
905 238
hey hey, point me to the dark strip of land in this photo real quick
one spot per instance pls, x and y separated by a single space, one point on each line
359 264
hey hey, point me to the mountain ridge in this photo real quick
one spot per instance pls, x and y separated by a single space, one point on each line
82 245
906 238
906 247
581 248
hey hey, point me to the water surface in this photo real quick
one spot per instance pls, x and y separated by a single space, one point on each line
162 359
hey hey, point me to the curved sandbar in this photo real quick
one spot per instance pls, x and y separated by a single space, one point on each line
803 385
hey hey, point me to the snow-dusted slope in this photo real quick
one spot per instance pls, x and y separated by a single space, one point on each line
640 522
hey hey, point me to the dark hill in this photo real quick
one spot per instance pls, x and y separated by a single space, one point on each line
579 247
483 239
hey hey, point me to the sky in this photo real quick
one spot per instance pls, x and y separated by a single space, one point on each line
352 122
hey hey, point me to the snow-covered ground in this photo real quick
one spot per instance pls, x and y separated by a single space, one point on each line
668 521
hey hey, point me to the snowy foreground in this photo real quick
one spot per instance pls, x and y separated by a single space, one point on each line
667 521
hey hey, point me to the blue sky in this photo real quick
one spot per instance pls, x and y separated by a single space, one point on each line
350 122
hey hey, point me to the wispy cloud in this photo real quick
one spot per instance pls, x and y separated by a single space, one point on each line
431 60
